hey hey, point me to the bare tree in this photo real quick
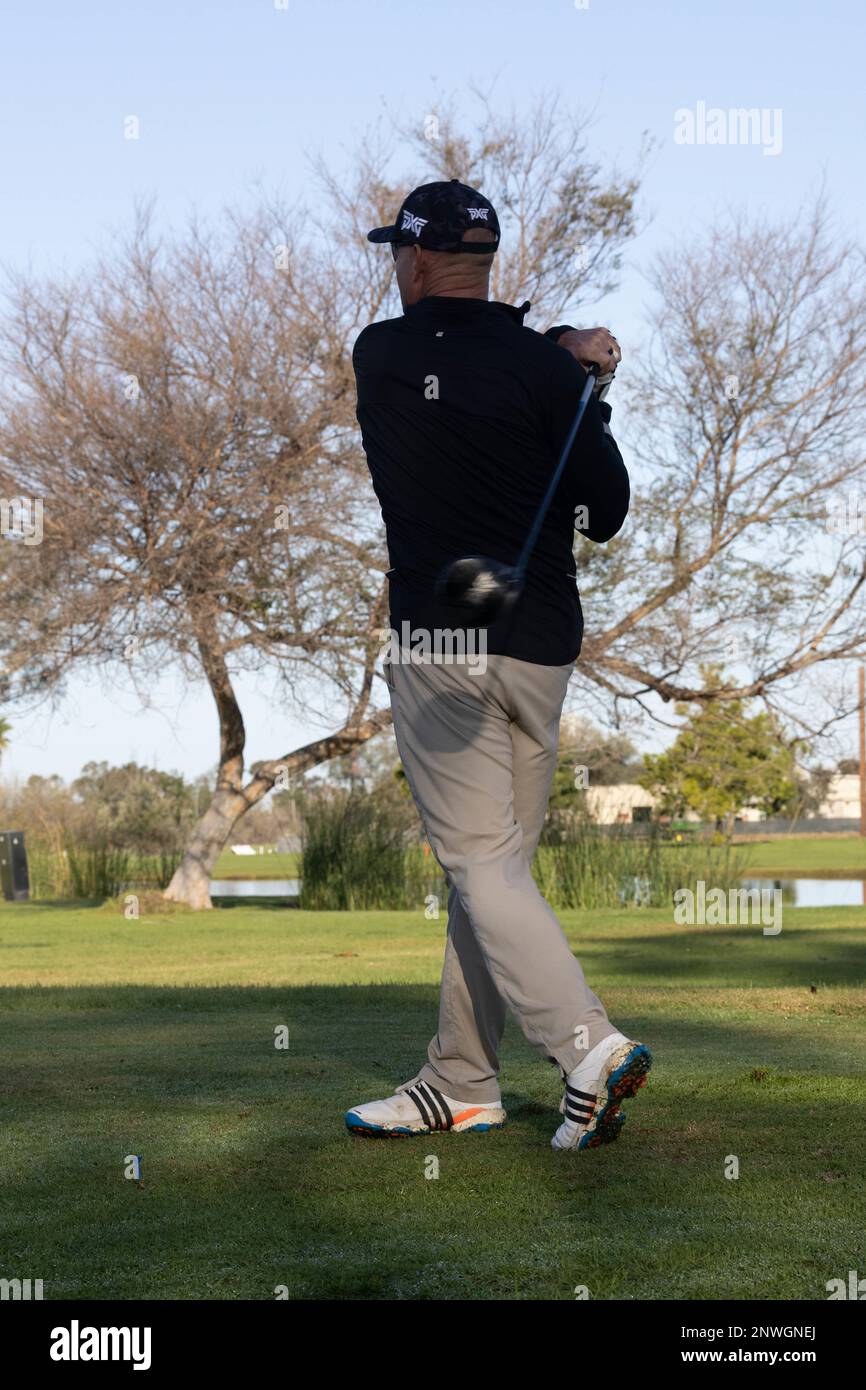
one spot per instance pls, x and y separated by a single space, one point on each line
565 220
185 412
743 547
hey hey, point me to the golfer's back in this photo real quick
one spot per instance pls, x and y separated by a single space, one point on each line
463 413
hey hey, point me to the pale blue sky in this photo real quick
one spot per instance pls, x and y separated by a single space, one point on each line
235 92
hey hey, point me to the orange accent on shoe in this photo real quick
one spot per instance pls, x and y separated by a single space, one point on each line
467 1114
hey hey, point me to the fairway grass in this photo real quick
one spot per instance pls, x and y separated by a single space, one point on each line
837 856
230 865
790 856
156 1038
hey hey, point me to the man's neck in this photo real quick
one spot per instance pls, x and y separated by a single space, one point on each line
457 292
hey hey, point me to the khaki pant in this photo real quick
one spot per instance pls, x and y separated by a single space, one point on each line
479 752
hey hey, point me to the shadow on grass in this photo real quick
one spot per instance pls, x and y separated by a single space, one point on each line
278 904
175 1043
81 904
250 1179
58 904
741 956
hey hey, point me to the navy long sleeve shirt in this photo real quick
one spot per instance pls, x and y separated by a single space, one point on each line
464 412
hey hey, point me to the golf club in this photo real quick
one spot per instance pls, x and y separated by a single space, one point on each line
487 588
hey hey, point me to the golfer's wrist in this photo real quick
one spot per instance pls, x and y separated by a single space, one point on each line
556 333
604 378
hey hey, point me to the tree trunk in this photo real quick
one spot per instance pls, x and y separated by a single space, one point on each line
191 881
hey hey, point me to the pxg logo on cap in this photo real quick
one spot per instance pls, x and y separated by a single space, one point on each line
437 217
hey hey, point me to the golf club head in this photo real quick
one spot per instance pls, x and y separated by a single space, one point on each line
483 587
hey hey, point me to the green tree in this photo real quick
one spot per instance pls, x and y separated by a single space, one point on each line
137 808
724 759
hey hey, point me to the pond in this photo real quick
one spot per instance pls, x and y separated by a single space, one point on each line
796 892
815 892
255 887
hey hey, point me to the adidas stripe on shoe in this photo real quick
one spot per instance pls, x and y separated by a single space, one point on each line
612 1072
419 1108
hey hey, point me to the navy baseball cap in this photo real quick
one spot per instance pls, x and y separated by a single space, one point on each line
437 215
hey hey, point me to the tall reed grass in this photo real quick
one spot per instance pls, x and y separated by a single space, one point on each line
94 870
584 865
354 855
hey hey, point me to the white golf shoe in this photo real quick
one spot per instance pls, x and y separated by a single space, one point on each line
419 1108
613 1071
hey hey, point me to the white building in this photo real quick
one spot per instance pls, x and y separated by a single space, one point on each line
617 804
843 796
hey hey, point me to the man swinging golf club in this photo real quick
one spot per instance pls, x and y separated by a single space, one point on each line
488 445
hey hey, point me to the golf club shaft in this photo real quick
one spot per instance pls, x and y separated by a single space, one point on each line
529 543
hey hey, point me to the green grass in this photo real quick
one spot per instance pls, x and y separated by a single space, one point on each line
256 866
155 1038
796 856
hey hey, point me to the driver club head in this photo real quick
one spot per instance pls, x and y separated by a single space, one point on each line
480 585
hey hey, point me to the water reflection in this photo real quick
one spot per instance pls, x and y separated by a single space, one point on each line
815 892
